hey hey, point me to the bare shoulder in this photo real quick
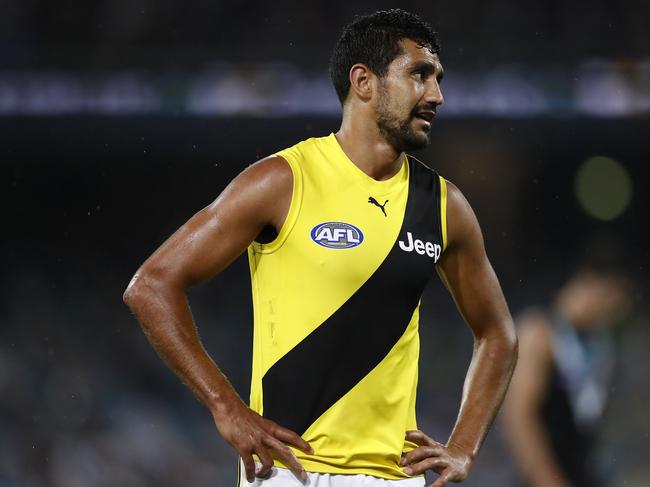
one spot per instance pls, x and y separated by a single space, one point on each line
264 188
274 166
271 174
456 200
462 224
262 192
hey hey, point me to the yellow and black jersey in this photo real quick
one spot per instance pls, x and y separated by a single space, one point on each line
336 304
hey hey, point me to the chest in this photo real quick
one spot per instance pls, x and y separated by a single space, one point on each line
347 233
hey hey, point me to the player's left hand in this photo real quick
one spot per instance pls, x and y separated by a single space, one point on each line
448 461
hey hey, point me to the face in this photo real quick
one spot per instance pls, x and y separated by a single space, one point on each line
599 299
610 297
408 97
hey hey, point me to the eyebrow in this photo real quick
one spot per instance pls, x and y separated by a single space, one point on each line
428 67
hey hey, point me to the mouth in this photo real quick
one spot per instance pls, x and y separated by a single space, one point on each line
427 116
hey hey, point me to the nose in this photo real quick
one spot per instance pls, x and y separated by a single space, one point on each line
433 92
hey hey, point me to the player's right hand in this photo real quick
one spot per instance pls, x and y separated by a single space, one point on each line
249 433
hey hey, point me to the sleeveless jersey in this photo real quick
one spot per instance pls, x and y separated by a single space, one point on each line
336 300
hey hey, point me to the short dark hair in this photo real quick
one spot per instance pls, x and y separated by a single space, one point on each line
374 40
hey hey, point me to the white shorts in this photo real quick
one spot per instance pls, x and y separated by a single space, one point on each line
281 477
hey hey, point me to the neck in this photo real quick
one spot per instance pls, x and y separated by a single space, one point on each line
366 147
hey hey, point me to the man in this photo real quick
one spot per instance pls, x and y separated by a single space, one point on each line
560 389
342 232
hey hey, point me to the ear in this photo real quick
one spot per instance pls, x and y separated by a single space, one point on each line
362 81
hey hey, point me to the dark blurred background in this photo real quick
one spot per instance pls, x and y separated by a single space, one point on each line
120 119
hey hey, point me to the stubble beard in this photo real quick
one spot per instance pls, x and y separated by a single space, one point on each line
399 133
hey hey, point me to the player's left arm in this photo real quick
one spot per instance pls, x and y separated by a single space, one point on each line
466 272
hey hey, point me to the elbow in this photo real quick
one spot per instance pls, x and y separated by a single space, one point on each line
513 349
503 342
511 342
150 281
140 287
511 339
501 335
134 291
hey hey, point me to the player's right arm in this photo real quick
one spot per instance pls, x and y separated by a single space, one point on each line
210 241
525 429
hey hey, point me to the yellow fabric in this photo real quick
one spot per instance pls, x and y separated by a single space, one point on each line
443 211
297 284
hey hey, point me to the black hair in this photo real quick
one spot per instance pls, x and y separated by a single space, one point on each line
374 40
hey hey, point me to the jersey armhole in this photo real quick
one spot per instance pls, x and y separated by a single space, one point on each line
294 208
443 211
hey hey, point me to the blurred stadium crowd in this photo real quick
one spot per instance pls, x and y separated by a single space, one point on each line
119 33
538 93
148 58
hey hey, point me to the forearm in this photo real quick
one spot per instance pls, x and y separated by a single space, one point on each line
165 317
487 380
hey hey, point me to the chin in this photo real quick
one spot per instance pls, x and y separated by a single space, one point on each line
416 141
405 137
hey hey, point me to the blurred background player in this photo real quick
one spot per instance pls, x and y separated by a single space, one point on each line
560 387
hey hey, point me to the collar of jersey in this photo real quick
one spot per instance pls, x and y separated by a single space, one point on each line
351 168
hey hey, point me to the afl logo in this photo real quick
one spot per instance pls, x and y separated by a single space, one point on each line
336 235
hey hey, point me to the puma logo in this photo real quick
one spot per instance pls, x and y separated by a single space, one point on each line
375 202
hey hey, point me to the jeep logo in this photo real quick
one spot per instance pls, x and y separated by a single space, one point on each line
432 250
